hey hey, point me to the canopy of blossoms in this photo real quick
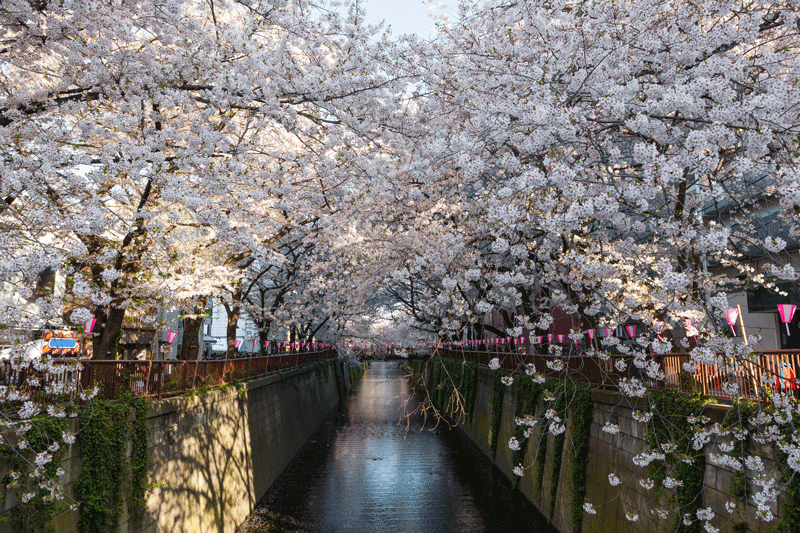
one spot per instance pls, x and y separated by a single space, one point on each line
626 162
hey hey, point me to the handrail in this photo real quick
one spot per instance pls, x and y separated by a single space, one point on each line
153 379
728 381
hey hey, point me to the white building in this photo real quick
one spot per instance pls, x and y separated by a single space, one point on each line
215 330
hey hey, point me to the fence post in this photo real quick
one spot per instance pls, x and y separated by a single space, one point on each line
160 380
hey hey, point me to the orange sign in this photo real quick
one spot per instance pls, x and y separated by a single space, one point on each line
60 343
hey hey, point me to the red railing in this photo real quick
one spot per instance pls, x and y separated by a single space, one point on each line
740 379
154 379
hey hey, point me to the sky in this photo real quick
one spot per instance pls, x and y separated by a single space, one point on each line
405 16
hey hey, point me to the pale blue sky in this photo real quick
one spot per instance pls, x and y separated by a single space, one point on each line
405 16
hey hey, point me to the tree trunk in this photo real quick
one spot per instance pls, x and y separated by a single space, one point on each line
233 321
190 348
263 337
105 347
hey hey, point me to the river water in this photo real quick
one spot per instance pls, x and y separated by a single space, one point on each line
372 469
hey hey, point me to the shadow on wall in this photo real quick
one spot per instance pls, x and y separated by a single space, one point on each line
214 455
201 466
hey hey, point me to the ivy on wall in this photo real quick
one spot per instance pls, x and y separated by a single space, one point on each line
356 372
581 407
670 424
104 466
572 401
36 515
498 394
454 386
323 368
140 461
790 510
338 374
560 408
527 401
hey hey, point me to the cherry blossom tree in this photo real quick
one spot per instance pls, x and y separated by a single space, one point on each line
619 162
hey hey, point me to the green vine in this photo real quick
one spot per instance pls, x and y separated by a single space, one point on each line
560 408
670 425
356 372
140 460
103 440
581 410
323 368
527 400
37 514
339 375
541 453
498 394
454 385
738 418
790 510
414 373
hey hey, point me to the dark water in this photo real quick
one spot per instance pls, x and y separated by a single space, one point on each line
365 472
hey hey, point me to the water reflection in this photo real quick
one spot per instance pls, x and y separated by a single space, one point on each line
365 472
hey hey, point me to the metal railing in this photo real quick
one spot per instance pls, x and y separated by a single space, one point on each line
154 379
740 379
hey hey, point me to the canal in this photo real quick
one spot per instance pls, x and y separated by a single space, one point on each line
372 469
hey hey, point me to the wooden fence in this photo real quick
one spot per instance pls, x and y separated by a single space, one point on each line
731 380
154 379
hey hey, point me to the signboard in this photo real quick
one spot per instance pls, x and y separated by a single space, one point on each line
60 344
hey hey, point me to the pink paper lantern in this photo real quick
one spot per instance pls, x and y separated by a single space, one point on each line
171 336
631 331
89 326
731 316
609 332
236 344
560 339
591 333
787 313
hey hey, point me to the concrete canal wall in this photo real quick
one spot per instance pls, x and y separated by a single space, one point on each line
607 454
214 455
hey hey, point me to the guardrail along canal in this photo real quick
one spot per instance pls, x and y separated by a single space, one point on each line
364 471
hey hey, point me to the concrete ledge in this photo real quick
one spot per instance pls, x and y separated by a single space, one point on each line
172 404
